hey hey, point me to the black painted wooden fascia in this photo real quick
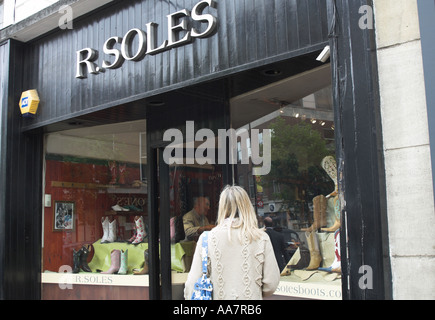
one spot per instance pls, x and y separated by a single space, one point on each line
364 231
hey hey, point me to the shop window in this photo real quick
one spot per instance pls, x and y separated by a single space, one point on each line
298 197
95 233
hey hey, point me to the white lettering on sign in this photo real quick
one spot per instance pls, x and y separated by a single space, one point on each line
145 43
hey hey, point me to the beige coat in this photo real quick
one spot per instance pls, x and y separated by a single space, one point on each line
192 221
246 271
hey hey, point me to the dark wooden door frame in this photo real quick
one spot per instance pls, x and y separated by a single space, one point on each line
158 219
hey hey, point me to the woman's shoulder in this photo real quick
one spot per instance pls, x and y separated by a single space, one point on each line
264 236
218 231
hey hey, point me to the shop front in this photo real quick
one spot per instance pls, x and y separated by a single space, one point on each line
147 110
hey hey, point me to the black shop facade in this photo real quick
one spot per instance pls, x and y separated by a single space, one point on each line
144 107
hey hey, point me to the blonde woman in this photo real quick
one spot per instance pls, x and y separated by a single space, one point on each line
241 261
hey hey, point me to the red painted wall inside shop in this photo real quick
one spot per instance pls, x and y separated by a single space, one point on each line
91 204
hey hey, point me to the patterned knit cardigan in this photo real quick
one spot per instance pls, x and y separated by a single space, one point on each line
245 271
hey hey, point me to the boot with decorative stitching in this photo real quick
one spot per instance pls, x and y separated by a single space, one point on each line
145 268
140 230
76 260
84 258
123 269
112 236
105 224
115 261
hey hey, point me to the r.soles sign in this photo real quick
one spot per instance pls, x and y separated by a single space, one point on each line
145 43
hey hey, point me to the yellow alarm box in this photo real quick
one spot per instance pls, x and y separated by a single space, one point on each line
29 103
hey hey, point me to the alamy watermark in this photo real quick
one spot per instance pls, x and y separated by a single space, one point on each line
228 147
366 281
366 20
66 19
66 280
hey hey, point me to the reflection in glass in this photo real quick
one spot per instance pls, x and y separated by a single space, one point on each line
297 202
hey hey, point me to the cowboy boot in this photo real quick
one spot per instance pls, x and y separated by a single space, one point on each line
105 223
336 265
121 169
319 214
115 260
84 259
145 265
123 269
76 260
140 229
302 263
313 246
112 234
330 166
134 235
113 172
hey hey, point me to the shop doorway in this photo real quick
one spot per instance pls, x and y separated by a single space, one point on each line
184 189
184 202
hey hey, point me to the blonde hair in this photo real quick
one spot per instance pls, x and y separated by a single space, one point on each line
235 205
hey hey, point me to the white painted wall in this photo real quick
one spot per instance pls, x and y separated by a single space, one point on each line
410 201
16 10
25 8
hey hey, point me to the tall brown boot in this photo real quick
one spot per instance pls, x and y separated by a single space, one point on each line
145 265
313 246
319 214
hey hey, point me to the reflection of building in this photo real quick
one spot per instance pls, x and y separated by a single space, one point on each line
288 199
258 63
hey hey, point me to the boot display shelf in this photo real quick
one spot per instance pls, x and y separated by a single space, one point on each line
131 212
313 284
110 188
181 254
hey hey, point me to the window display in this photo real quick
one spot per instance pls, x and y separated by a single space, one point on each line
97 223
297 201
95 227
99 234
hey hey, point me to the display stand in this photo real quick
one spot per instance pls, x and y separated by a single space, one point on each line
313 284
91 285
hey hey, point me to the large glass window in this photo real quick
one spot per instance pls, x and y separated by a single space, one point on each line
95 228
296 198
95 233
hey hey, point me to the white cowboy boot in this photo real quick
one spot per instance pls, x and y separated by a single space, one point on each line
105 223
112 231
